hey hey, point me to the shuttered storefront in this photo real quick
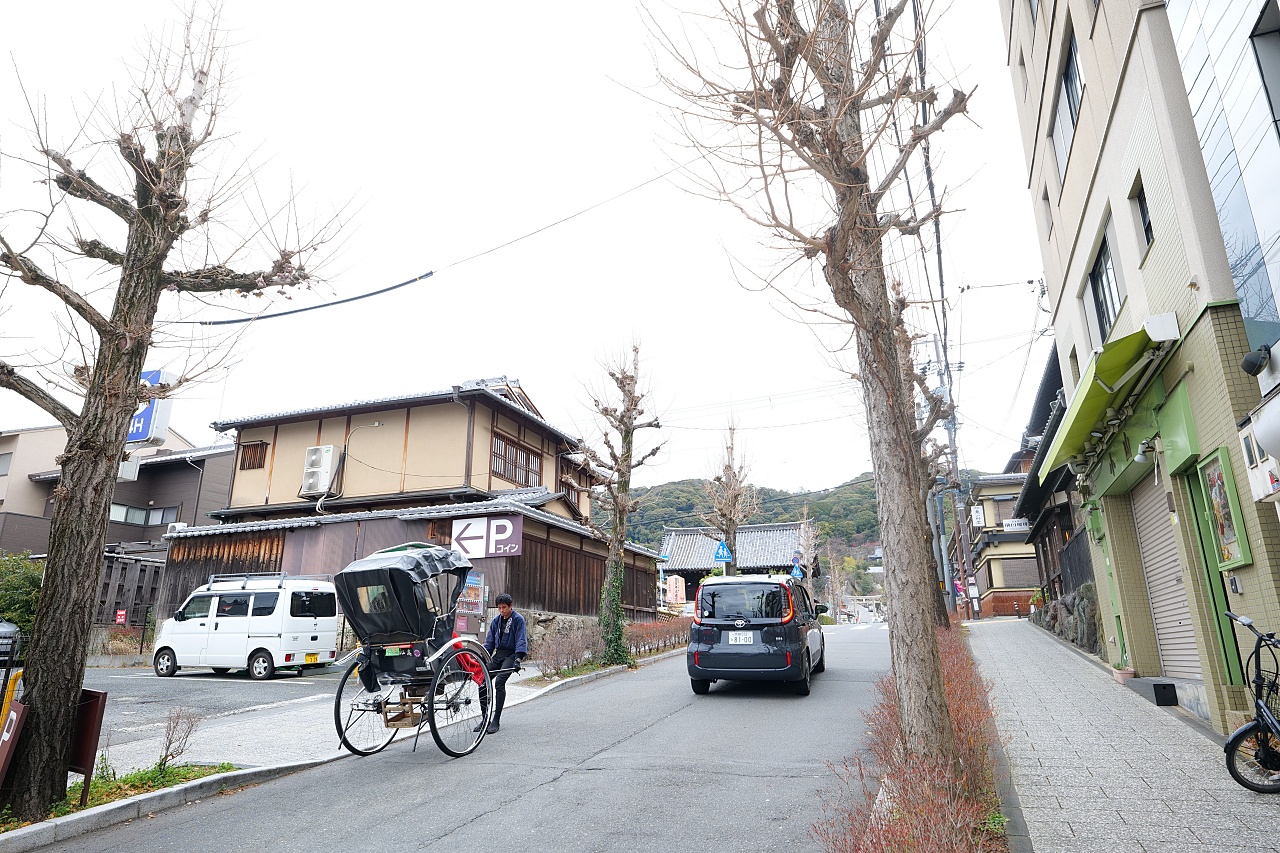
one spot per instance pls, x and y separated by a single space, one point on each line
1165 588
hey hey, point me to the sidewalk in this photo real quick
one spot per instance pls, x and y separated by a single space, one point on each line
299 729
1098 768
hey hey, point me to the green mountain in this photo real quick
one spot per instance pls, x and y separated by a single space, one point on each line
845 515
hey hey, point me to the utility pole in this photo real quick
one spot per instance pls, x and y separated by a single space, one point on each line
949 576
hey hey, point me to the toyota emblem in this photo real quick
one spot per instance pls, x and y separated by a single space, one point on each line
741 623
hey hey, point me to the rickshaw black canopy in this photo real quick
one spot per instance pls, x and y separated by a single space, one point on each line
397 595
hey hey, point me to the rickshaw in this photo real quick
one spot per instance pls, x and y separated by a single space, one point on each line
411 670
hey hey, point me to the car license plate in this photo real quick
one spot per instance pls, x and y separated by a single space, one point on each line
741 638
313 657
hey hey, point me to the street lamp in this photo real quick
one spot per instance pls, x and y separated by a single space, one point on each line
342 461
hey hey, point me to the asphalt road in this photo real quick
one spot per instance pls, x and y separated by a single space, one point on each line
138 701
635 761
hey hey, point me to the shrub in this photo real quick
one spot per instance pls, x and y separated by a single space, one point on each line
921 805
562 651
19 589
648 637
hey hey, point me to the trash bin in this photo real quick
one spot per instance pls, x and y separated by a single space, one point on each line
9 642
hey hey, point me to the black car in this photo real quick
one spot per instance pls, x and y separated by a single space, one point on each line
755 628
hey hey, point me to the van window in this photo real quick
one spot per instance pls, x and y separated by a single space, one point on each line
746 600
318 604
197 607
233 604
264 603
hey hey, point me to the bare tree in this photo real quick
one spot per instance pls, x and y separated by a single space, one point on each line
733 501
621 420
812 129
179 726
163 207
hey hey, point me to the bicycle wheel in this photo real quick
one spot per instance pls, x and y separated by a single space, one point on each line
1253 759
357 714
457 715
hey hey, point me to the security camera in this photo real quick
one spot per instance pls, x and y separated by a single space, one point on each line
1256 361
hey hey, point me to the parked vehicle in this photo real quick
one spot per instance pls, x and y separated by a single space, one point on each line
259 622
755 628
1253 750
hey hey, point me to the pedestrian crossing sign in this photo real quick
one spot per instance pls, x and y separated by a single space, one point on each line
722 554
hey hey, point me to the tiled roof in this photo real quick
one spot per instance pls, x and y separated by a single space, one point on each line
153 459
760 546
493 507
471 388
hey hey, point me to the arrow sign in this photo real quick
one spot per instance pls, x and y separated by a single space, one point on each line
461 539
722 554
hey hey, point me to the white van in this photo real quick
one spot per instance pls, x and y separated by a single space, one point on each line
262 622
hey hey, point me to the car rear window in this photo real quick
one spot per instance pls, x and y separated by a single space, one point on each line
743 601
313 604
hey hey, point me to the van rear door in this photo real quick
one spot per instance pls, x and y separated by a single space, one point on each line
312 625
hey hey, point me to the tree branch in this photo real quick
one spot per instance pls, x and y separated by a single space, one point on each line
959 103
100 251
9 378
29 273
220 277
75 182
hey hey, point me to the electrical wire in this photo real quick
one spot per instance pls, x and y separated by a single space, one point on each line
429 274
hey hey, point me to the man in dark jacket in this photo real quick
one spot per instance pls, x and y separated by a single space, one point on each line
507 644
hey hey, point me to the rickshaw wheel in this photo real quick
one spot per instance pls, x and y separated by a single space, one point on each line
357 714
459 703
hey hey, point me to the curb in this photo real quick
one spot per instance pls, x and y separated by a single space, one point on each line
590 677
142 805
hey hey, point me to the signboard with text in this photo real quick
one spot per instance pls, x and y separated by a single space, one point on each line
489 536
120 617
150 423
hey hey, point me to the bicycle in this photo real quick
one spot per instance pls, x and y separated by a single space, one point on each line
1253 750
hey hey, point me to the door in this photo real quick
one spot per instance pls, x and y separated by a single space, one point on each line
229 639
189 635
1166 590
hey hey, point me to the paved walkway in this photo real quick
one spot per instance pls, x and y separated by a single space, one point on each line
1098 768
289 731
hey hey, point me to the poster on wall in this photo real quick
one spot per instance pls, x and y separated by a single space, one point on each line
471 602
1230 543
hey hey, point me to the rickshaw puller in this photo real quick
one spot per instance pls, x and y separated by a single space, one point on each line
507 644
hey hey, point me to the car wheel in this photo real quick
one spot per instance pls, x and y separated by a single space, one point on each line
700 685
821 665
261 666
165 663
802 686
221 670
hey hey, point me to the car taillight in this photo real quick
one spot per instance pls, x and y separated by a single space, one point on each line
697 607
695 658
788 658
791 610
288 658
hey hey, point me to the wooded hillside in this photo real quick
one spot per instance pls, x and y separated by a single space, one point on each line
845 515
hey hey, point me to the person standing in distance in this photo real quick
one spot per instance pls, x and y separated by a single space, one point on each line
507 644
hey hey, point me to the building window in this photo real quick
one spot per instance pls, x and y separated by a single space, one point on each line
124 514
1067 112
6 459
1104 290
516 462
1144 213
1266 49
253 455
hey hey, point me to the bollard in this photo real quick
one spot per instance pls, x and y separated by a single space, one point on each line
1017 611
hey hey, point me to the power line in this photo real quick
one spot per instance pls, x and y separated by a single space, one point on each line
426 275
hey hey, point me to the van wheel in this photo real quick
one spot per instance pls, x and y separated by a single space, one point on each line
221 670
261 666
165 663
802 686
700 685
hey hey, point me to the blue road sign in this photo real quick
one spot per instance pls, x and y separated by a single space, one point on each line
722 554
795 561
151 422
797 572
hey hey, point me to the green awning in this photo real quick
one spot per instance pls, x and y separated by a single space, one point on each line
1098 390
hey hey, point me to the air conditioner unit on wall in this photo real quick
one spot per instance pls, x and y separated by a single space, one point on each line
317 471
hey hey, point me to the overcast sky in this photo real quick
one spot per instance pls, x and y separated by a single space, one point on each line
440 131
